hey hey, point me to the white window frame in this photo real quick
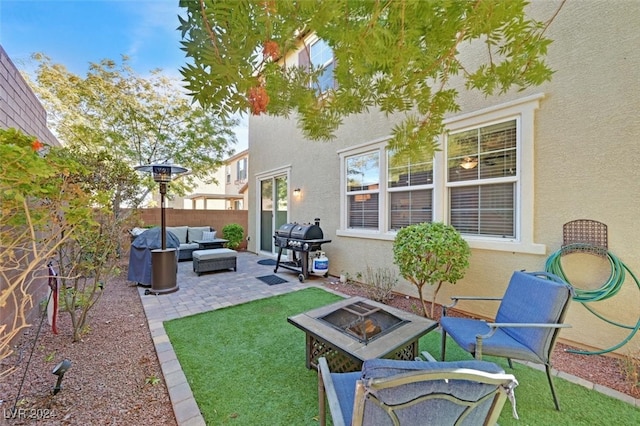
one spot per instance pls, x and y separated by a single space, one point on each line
523 110
311 42
379 146
241 169
407 189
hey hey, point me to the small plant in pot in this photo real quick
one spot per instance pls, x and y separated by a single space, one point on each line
430 253
234 233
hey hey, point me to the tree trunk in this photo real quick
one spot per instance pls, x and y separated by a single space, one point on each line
424 305
433 299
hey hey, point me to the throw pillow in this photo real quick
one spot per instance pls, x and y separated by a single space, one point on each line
208 235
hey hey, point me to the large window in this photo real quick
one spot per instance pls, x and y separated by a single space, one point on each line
482 176
481 182
410 188
363 188
322 58
319 56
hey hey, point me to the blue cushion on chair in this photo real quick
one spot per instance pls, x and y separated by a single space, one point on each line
529 299
464 331
434 410
381 368
345 385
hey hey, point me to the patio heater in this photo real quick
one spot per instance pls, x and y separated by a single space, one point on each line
164 262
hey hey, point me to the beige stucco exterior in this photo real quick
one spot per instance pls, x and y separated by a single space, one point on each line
585 166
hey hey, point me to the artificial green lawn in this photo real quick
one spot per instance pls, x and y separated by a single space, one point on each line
246 365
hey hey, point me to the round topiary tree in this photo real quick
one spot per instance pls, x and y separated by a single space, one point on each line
430 253
234 233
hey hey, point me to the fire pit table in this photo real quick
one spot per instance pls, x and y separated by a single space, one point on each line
355 329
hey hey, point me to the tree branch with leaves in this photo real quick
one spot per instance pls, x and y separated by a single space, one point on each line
123 120
397 56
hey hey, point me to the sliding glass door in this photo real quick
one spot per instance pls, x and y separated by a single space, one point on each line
273 210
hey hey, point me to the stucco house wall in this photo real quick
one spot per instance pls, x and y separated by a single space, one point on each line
582 165
235 179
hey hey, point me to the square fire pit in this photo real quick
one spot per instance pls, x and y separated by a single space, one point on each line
355 329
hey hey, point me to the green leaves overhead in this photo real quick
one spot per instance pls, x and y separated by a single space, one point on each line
398 56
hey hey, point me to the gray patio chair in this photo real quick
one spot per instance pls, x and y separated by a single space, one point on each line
392 392
528 320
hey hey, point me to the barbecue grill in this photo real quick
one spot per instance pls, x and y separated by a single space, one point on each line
301 239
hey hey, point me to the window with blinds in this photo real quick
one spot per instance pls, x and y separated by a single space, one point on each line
363 190
481 179
410 186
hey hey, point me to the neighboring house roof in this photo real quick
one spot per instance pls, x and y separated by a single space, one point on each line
197 195
236 156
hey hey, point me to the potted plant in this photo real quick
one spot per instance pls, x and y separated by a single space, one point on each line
430 253
234 233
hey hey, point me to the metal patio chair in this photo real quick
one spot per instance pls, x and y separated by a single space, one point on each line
526 326
393 392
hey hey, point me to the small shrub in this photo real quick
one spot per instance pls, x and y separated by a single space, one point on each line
234 233
430 254
378 283
630 365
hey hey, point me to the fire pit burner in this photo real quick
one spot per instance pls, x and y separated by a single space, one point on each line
362 321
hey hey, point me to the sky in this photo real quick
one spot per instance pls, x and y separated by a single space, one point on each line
77 32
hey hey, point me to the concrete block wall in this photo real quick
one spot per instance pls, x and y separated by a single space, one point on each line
19 106
217 219
20 109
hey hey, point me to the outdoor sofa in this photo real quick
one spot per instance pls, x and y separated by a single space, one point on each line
187 235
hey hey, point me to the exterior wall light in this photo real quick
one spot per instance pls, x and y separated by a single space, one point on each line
297 192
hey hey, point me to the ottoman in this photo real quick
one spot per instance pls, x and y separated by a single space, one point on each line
214 260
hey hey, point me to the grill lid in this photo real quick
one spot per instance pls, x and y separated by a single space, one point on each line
306 232
301 231
285 230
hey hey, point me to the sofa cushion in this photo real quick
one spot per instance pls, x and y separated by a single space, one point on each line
180 232
189 246
210 254
195 233
208 235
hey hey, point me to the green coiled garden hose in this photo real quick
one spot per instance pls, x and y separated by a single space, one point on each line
608 289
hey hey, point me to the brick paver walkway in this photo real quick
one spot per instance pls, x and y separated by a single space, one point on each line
204 293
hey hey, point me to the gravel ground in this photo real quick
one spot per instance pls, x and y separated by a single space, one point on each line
115 378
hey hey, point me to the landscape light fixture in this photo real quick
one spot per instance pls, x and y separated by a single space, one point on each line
59 371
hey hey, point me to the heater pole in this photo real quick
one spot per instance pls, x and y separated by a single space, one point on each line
163 226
